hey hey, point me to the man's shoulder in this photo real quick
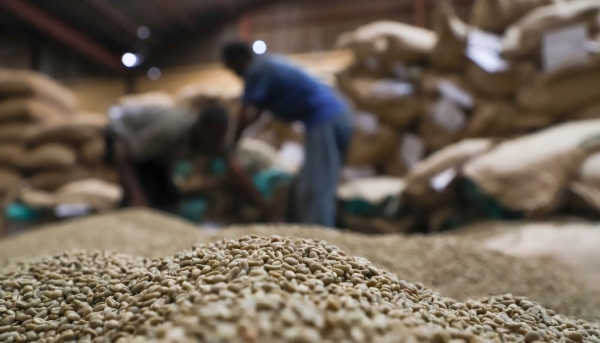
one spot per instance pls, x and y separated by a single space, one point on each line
267 63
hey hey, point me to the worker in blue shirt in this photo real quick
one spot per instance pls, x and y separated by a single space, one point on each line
273 84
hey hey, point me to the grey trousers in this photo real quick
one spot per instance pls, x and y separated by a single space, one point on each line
314 196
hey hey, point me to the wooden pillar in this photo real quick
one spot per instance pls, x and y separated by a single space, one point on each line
420 12
244 25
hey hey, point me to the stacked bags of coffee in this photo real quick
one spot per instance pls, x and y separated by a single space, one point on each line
26 99
540 175
381 84
62 150
504 74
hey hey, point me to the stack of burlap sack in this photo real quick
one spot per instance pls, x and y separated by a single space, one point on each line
45 144
516 67
26 100
540 175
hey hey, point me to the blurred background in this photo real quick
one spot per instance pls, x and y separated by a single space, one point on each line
463 111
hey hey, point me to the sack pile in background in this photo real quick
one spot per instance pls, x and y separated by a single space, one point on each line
516 67
537 176
45 144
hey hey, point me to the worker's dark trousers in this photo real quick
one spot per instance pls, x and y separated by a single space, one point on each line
155 178
314 194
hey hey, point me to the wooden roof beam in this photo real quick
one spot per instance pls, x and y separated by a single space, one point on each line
178 14
118 18
60 31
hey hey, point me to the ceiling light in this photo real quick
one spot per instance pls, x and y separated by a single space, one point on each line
154 73
259 47
143 32
130 60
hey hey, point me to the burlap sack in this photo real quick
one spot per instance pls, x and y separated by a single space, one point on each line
25 83
147 99
435 135
502 118
276 133
37 198
590 111
395 167
9 179
11 154
101 196
74 131
255 155
372 190
429 80
15 132
561 94
530 174
448 53
587 182
419 189
92 152
375 148
496 15
524 37
48 157
202 96
52 180
391 40
29 110
499 84
393 102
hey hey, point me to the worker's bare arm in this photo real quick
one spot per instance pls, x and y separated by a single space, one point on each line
245 184
248 115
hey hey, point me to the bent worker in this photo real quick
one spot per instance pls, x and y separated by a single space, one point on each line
145 143
273 84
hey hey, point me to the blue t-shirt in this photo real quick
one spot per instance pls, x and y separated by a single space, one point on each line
289 93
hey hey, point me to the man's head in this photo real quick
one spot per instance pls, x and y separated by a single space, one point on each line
237 56
210 131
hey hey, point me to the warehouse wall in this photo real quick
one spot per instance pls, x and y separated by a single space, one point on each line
293 26
15 51
98 94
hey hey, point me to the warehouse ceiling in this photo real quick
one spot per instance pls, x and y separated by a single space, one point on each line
105 29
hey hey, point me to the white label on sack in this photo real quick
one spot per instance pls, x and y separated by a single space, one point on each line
448 115
593 46
372 63
389 88
71 210
412 149
484 40
358 172
441 180
456 94
292 154
565 47
484 48
486 59
401 71
367 122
